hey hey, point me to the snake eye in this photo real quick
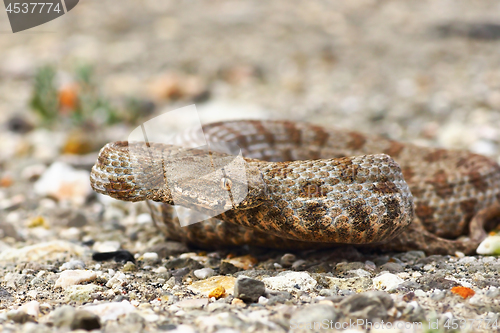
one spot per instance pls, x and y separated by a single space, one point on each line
226 183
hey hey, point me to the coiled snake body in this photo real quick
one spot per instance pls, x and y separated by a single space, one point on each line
310 186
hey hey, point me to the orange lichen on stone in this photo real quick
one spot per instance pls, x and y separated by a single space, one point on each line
217 292
463 291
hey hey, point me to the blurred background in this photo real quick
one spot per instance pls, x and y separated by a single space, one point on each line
420 71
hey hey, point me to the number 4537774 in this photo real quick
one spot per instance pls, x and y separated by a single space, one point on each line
31 7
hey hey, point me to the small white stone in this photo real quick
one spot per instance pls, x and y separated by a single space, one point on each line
289 281
160 269
204 273
150 256
429 267
72 277
110 311
72 234
359 272
63 182
263 300
72 264
420 293
107 246
386 281
489 246
144 218
117 280
32 308
298 263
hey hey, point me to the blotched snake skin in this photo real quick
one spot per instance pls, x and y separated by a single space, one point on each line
309 187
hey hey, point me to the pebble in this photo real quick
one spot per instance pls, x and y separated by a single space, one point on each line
63 316
31 308
287 260
81 293
306 317
430 282
371 304
493 292
63 182
150 256
249 290
20 317
243 262
355 283
359 272
387 281
193 303
205 287
4 294
53 250
179 263
85 320
226 268
204 273
438 295
110 311
489 246
72 264
129 267
71 234
168 248
8 230
392 267
72 277
291 281
298 263
106 246
79 220
117 280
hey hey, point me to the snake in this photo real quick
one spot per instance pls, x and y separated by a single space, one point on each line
294 185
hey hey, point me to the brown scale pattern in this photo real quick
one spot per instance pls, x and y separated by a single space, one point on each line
312 187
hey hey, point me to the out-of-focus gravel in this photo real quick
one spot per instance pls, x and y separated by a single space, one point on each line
420 71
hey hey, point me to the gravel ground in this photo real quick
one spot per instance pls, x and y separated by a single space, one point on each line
418 71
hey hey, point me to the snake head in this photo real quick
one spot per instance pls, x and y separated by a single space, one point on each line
201 179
